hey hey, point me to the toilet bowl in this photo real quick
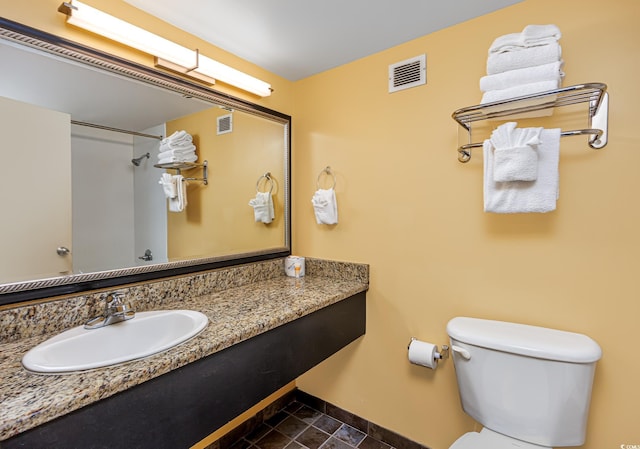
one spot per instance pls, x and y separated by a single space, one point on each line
529 387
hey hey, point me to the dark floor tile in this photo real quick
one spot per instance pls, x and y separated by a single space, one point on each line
311 401
334 443
349 435
294 445
241 444
293 407
258 432
327 423
291 427
273 440
313 438
277 418
372 443
392 438
307 414
347 418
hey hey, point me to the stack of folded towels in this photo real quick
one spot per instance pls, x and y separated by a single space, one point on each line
178 147
523 63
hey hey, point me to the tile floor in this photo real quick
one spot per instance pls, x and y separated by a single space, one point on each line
298 426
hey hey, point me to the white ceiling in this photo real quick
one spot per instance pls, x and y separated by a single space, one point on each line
299 38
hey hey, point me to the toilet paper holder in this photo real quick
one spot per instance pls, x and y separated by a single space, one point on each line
440 354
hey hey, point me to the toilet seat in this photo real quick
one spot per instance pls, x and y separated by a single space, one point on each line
488 439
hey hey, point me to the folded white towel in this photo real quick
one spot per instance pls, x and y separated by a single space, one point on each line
511 78
173 159
515 155
178 137
522 196
325 206
263 210
186 146
179 203
531 36
519 91
182 152
168 185
528 57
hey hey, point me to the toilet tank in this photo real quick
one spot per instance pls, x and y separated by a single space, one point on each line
526 382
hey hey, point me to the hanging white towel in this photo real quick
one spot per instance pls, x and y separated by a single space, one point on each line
263 210
168 185
522 196
527 57
179 203
515 156
325 206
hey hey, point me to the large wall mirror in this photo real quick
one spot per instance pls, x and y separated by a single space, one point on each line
84 208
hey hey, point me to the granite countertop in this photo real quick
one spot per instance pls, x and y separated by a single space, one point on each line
236 314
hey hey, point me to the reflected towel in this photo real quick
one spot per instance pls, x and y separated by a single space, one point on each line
528 57
262 204
168 185
325 206
179 203
523 196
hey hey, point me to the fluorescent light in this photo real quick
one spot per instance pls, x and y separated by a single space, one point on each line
168 54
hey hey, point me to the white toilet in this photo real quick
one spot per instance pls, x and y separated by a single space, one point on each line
528 386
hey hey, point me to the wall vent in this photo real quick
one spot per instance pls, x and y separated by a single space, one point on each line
225 124
408 73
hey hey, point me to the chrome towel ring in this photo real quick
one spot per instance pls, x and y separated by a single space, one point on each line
327 171
267 179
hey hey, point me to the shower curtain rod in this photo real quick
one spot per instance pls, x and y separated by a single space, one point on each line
108 128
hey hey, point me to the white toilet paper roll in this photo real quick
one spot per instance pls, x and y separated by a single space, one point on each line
423 353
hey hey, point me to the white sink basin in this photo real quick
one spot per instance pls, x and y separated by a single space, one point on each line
147 333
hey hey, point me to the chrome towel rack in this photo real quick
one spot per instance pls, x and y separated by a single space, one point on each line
179 166
267 179
326 171
593 94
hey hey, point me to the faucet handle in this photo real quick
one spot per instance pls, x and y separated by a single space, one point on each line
115 303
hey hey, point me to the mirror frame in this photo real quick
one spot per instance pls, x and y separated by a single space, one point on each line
15 292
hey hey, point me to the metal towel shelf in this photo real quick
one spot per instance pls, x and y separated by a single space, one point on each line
592 93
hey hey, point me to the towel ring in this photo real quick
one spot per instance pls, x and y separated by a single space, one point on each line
327 171
267 178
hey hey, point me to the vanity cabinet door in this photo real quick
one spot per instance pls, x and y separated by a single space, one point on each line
35 228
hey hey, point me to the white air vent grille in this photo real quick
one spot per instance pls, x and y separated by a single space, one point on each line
408 73
225 124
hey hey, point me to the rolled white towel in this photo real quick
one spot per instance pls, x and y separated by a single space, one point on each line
519 91
528 57
511 78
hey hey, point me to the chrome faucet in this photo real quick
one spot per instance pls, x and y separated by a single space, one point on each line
115 311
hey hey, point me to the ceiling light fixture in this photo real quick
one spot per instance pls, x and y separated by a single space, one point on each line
168 55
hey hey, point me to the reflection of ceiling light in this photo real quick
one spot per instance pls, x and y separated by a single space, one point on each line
168 54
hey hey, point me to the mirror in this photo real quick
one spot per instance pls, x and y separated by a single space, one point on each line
83 130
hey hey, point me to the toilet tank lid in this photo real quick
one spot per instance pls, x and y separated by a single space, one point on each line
523 339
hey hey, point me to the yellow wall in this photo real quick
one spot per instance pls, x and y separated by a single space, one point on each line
219 219
414 213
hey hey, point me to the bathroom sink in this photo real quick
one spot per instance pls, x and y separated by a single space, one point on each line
147 333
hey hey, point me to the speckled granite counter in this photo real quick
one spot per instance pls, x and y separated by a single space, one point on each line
251 300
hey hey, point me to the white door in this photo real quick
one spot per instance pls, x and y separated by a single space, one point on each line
35 183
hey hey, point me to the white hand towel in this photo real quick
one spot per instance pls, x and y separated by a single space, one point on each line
528 57
263 210
325 206
515 153
519 91
167 151
179 203
522 196
168 185
536 33
178 137
512 78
